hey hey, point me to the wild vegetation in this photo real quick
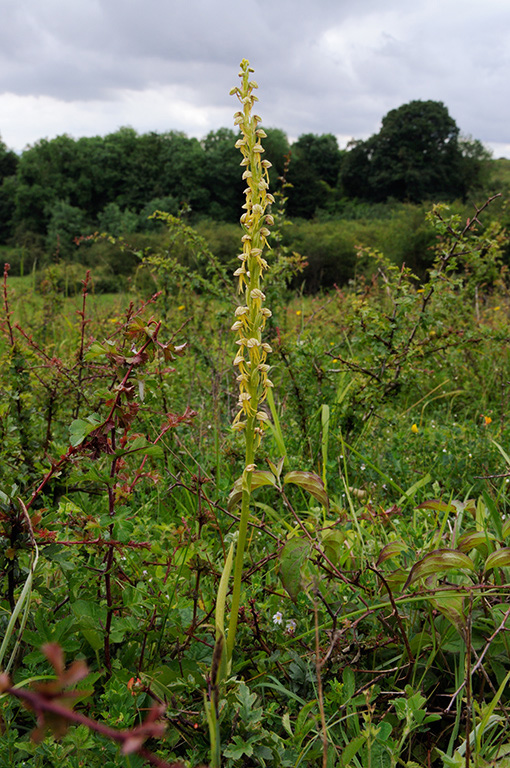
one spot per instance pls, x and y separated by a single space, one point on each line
326 584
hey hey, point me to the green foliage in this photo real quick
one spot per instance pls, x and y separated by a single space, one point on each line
313 174
415 156
370 609
404 564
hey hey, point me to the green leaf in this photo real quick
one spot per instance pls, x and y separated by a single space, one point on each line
221 598
437 505
93 638
475 540
498 559
390 550
79 429
293 557
437 561
452 608
333 544
352 748
309 482
240 749
259 477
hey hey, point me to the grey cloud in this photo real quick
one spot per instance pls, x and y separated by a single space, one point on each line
331 65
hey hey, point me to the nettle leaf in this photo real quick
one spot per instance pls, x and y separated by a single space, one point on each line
498 559
309 482
437 561
293 558
259 477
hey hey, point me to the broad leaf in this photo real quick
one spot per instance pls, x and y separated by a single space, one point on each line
293 557
79 429
498 559
309 482
437 505
475 540
390 550
259 477
437 561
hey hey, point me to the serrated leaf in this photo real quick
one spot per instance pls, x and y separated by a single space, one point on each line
259 477
309 482
498 559
437 561
293 557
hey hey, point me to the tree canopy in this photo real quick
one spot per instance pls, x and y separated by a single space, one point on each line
117 180
417 155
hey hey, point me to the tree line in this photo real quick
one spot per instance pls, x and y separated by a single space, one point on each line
64 185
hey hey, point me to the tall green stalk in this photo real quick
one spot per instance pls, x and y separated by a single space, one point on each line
251 316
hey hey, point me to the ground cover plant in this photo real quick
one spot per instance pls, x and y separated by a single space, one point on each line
326 584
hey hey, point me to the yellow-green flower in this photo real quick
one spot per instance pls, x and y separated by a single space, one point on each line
252 315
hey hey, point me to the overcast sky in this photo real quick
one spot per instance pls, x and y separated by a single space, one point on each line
88 67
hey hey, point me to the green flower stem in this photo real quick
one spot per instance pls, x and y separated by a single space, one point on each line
241 542
250 316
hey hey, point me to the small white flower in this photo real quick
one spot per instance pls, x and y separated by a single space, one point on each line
290 626
278 618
